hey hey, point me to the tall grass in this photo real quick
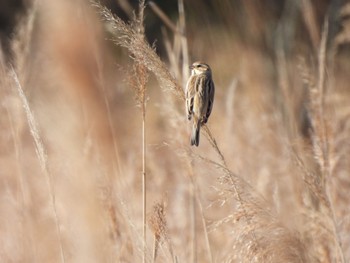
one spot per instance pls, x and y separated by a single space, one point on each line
41 154
269 184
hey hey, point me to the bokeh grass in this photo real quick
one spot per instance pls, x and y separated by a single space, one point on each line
268 184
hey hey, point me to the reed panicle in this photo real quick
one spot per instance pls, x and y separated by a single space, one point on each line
81 166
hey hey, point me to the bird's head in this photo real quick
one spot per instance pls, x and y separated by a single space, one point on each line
200 68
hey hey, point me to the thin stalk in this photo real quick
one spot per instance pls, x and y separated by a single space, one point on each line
27 219
166 20
41 153
144 197
142 80
321 103
204 228
324 135
310 21
193 222
184 46
154 249
196 200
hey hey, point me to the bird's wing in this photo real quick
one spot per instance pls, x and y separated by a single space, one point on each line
190 92
211 93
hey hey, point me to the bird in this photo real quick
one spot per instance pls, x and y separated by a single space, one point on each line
200 91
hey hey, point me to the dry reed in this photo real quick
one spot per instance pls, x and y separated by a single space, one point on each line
269 184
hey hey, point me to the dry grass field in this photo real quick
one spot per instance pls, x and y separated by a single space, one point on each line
95 158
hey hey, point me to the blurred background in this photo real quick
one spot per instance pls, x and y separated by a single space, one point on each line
254 23
71 134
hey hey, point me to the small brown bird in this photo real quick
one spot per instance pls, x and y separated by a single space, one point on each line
200 92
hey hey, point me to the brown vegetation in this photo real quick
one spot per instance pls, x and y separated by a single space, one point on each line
88 177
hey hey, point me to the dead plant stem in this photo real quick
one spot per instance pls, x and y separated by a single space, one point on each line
144 196
41 153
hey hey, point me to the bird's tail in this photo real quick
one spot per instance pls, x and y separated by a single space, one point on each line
195 132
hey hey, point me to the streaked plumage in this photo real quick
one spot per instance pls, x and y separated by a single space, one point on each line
200 92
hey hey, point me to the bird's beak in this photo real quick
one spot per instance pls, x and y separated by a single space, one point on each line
191 67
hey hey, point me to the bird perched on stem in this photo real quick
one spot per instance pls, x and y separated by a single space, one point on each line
200 92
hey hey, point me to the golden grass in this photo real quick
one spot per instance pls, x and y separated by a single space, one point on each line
79 175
